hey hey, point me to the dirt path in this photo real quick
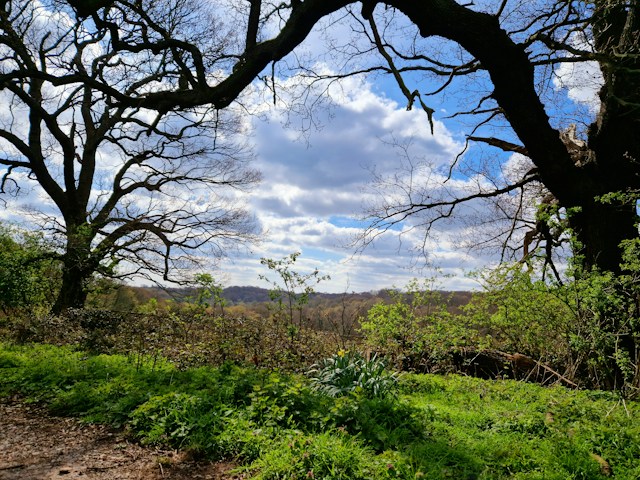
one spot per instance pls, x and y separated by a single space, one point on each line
37 446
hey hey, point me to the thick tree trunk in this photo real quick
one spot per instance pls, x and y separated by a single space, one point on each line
73 292
76 270
614 144
599 229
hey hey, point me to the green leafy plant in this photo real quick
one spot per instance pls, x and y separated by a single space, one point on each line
29 271
209 292
383 423
326 456
284 402
293 293
349 372
585 328
275 427
518 312
415 330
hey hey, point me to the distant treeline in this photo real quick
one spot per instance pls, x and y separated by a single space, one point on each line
248 295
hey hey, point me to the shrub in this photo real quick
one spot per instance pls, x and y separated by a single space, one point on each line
521 314
327 456
284 402
416 331
29 271
347 372
585 328
382 423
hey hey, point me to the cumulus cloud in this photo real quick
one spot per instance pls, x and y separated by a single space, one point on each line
580 80
314 186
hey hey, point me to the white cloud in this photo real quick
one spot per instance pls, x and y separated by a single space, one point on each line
581 80
314 183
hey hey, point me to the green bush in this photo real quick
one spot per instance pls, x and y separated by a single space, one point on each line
416 331
328 456
348 372
381 423
177 419
518 313
285 402
587 328
29 272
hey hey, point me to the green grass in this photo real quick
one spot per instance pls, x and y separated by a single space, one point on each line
278 427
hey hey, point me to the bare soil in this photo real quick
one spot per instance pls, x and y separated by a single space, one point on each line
37 446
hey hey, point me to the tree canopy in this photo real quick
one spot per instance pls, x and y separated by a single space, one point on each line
508 50
126 190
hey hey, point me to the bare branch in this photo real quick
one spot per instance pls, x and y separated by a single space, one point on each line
501 144
411 96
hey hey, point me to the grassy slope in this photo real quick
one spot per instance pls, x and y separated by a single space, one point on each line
437 428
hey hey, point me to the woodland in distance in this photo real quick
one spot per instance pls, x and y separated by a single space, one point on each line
157 87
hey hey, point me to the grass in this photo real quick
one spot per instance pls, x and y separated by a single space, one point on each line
278 427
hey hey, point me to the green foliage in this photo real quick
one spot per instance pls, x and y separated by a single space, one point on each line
517 313
586 328
382 423
606 323
326 456
188 334
109 294
209 292
178 419
511 429
29 271
348 372
393 328
296 288
279 402
279 427
415 331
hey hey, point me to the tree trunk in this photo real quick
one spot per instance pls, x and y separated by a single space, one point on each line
613 160
73 291
599 229
77 269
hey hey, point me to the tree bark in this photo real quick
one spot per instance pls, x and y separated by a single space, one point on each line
599 229
77 268
73 291
613 158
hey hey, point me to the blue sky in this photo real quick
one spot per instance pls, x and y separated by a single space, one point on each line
316 179
318 164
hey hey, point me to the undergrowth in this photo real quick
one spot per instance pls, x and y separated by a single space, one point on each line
278 427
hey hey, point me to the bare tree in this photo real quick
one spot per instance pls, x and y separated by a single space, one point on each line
124 186
504 51
508 211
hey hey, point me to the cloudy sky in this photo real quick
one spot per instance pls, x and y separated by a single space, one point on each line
317 184
317 181
318 173
315 187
